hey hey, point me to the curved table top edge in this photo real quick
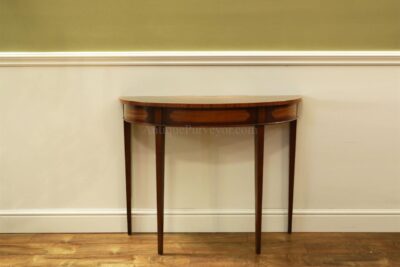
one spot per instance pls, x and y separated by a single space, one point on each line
275 101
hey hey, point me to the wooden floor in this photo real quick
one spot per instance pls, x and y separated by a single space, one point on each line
279 249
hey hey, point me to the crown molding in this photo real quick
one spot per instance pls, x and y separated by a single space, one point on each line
201 58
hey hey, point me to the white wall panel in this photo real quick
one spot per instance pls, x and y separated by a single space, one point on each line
61 149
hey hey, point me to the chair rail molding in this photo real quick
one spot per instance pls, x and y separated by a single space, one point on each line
201 58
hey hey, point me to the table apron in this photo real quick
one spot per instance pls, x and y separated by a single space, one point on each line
210 117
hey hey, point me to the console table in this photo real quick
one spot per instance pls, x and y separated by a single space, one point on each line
210 111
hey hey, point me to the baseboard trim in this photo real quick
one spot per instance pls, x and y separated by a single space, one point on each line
195 220
201 58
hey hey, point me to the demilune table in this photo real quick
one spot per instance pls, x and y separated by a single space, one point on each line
209 111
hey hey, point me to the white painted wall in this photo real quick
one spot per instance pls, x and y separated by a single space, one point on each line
61 150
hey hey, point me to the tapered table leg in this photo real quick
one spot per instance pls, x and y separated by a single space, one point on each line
259 162
160 151
292 156
128 174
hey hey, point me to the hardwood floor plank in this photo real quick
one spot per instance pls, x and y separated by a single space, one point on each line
203 249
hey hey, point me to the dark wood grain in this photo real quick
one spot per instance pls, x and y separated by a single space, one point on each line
259 165
210 117
128 174
209 101
160 154
211 111
292 157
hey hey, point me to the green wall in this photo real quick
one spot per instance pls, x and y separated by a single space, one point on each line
122 25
